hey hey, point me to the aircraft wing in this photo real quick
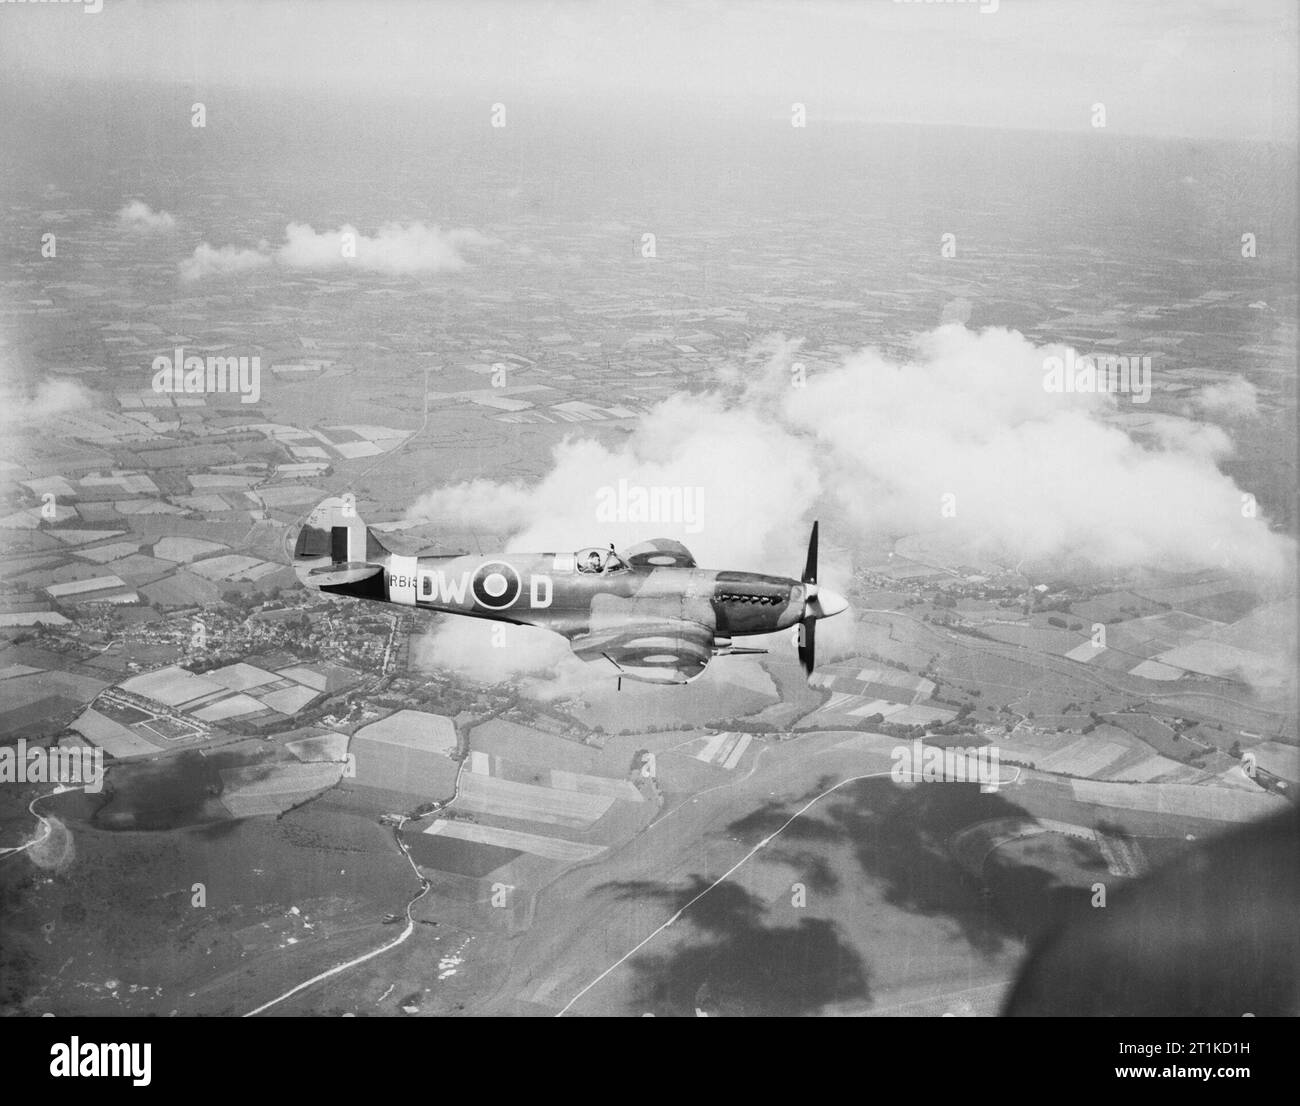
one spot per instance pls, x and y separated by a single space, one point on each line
657 651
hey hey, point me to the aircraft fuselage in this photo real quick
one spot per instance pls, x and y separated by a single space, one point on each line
549 590
654 616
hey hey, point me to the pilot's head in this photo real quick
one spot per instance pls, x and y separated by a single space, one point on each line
593 561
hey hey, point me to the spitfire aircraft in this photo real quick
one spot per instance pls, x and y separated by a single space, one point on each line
651 613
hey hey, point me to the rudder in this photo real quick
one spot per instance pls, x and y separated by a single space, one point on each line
335 546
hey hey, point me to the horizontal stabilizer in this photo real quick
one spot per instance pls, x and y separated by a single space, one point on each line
332 575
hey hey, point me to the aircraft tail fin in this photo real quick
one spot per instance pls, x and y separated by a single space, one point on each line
336 547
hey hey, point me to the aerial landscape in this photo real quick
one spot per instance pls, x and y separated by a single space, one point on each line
1034 379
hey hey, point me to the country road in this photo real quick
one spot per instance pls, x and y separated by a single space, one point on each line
44 822
339 969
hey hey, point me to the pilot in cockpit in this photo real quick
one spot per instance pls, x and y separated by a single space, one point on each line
592 563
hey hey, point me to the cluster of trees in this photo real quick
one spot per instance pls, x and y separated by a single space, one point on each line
969 631
739 725
237 598
889 662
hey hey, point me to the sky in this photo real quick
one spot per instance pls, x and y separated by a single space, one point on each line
1191 68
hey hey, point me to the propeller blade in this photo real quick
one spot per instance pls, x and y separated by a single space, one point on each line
810 566
808 644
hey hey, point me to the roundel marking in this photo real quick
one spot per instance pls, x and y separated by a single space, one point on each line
496 585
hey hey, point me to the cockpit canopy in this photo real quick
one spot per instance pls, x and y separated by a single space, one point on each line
595 560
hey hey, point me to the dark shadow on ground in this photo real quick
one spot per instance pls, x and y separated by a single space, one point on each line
735 964
900 839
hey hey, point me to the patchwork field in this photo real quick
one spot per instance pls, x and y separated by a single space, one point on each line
549 848
409 753
522 802
259 789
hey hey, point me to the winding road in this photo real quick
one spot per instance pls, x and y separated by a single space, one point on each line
44 822
338 969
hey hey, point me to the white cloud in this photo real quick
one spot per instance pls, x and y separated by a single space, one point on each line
757 480
1236 398
208 261
1050 477
19 408
871 445
492 651
137 215
394 248
1046 476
